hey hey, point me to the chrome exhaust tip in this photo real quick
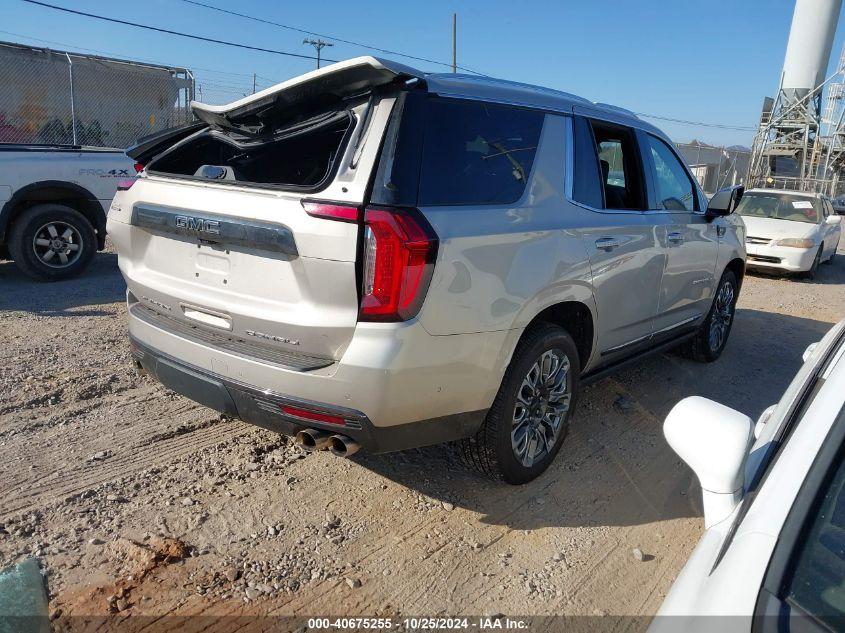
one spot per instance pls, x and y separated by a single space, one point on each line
343 446
139 368
312 440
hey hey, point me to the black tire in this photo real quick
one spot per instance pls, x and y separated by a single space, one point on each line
832 256
491 450
814 269
701 347
33 224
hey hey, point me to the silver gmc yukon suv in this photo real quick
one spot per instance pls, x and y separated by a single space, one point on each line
368 256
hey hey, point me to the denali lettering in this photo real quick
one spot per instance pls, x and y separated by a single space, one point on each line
200 225
271 337
164 306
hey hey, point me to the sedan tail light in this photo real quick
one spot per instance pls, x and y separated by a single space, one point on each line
400 248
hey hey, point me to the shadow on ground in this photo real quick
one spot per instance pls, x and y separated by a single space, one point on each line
615 467
100 284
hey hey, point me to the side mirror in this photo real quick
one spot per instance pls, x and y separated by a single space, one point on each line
713 440
833 219
725 201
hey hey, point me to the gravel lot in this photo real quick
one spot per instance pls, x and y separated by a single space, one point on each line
138 501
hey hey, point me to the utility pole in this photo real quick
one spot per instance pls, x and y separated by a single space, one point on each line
454 43
253 83
317 44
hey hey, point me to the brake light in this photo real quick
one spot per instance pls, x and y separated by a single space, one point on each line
138 168
313 415
399 252
331 210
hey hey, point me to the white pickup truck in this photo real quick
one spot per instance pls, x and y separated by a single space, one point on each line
53 202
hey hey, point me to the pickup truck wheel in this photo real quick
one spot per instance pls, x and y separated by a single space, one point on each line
49 242
712 336
529 419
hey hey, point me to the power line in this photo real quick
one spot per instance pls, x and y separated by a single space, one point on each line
170 32
328 37
124 57
318 45
697 123
198 37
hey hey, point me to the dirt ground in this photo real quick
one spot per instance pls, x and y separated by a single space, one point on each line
139 502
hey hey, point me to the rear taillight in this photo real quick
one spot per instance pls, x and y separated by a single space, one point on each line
125 185
399 253
139 168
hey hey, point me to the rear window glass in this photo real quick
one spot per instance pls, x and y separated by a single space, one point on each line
299 160
477 153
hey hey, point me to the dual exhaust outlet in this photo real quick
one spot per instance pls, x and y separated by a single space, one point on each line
313 440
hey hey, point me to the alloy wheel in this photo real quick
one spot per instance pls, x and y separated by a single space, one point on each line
57 244
720 320
542 402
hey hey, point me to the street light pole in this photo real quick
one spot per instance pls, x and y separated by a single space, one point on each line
318 45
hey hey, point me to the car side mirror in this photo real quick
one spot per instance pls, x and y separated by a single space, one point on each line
833 219
725 201
713 440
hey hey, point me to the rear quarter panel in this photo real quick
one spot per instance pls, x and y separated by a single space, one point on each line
499 266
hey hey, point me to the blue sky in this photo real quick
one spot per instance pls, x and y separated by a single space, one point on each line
708 61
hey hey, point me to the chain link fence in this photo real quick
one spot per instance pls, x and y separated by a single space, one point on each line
715 167
52 97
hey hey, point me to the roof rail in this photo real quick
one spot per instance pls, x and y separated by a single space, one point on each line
618 109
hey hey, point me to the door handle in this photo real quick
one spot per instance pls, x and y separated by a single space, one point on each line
607 243
675 238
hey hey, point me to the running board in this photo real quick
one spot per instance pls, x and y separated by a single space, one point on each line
604 372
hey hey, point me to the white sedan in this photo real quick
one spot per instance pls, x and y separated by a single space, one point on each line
790 231
774 507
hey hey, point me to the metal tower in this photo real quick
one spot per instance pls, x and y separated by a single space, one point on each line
792 148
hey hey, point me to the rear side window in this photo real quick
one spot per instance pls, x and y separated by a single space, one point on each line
674 186
301 157
619 166
587 184
477 153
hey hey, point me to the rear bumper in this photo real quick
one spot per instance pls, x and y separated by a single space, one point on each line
779 257
396 386
264 408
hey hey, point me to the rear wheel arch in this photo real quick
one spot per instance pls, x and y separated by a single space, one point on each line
54 191
576 318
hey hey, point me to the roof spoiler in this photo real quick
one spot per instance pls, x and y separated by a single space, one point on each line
337 81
